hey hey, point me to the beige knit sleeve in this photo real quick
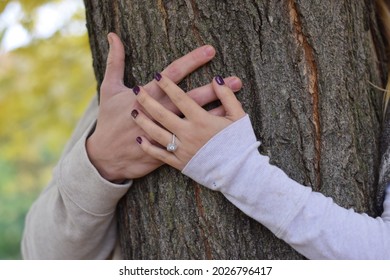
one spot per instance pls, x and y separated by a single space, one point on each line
74 216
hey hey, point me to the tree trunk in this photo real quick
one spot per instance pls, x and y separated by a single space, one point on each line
308 69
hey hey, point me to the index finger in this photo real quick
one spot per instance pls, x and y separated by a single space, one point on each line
180 68
183 102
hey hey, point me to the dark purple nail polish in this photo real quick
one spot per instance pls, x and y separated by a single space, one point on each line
134 114
136 90
157 76
139 140
219 80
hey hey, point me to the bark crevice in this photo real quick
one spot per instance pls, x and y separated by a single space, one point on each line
311 75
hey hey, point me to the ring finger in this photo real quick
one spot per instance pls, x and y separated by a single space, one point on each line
156 132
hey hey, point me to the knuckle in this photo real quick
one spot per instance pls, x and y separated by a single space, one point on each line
202 122
178 98
158 135
174 70
163 156
160 114
164 85
105 88
139 119
142 98
110 62
148 149
159 154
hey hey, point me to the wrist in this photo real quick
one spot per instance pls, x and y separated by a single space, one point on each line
79 181
105 167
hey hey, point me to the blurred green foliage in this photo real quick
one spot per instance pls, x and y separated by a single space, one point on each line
44 88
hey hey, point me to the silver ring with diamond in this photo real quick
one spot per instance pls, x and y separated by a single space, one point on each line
171 147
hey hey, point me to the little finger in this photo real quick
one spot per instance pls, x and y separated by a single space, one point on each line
205 94
159 153
154 131
228 99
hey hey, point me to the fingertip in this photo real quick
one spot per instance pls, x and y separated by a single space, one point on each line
136 90
157 76
115 44
115 65
209 51
134 114
227 97
234 83
144 144
220 87
109 38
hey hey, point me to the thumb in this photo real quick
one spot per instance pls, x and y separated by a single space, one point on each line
115 67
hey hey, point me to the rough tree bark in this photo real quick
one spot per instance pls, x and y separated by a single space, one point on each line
307 66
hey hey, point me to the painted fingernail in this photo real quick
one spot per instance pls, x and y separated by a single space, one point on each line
134 114
157 76
136 90
139 140
219 80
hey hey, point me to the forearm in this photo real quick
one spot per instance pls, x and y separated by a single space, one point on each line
308 221
74 218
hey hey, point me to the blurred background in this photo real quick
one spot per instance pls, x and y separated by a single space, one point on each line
46 82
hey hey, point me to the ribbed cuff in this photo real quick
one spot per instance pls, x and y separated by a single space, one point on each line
83 184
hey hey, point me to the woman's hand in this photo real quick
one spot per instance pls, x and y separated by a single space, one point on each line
111 148
192 132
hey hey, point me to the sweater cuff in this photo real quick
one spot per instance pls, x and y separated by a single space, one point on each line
212 164
83 185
